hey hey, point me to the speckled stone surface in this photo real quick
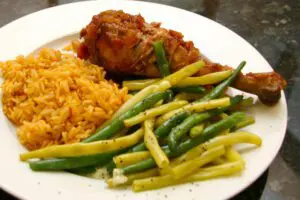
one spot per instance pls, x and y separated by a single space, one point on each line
273 28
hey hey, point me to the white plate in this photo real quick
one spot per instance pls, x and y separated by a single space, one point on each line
55 26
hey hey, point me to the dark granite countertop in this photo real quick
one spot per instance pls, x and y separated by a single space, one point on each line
272 26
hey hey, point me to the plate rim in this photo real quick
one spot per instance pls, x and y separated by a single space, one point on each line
18 20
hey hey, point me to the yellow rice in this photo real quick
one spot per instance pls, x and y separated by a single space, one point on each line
56 98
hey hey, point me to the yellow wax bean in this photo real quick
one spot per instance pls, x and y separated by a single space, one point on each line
153 112
196 130
218 161
233 138
130 158
217 171
196 107
153 183
226 140
139 84
157 182
161 85
152 144
189 155
183 73
189 167
207 79
80 149
187 96
136 176
232 155
131 102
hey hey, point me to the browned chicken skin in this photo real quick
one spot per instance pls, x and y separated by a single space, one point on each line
122 43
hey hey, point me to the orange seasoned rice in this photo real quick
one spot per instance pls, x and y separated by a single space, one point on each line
57 98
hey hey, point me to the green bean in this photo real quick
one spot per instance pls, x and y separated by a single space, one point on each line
164 129
208 133
194 119
160 132
134 128
161 59
71 163
190 89
245 103
139 147
143 165
118 124
219 89
170 97
110 166
178 132
140 166
247 121
211 131
56 164
83 170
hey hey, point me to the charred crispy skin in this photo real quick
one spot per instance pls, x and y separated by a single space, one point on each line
122 43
